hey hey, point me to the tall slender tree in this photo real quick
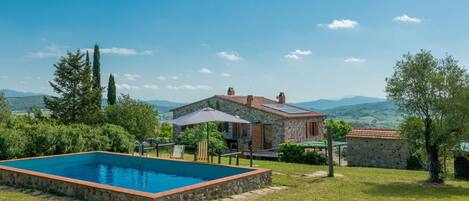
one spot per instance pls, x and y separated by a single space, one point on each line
97 76
88 110
111 91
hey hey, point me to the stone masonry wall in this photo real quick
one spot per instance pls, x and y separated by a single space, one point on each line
385 153
295 129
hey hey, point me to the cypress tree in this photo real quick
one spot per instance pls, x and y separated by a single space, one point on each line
97 76
111 91
88 110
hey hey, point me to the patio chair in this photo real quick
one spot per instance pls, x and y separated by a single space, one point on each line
178 152
202 150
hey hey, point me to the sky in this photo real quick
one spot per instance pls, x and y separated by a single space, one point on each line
188 50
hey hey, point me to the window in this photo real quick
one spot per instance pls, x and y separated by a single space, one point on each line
311 129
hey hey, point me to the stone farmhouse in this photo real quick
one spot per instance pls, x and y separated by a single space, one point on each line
272 121
376 147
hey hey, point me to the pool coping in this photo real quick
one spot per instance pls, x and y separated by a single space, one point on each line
130 191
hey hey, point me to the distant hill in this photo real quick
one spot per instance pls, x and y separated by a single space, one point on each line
20 102
373 115
323 104
164 105
26 102
14 93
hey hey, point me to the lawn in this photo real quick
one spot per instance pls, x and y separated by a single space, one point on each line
357 184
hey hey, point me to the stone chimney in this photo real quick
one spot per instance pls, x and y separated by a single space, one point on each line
281 98
231 91
249 100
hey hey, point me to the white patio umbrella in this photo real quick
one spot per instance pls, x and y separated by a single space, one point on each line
207 115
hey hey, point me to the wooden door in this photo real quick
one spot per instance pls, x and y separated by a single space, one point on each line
257 139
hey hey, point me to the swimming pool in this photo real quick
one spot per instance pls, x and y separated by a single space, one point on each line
98 175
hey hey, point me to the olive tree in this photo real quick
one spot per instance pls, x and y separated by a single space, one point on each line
433 95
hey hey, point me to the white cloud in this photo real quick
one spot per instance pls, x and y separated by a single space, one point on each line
126 86
354 60
151 86
232 56
52 50
129 76
225 75
341 24
42 55
298 54
406 19
120 51
205 71
189 87
167 78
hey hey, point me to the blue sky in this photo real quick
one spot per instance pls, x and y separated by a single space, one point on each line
188 50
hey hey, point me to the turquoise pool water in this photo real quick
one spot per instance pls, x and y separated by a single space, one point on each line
137 173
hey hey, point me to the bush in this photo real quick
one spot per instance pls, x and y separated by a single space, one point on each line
414 162
295 153
41 139
314 158
120 140
192 136
291 153
12 144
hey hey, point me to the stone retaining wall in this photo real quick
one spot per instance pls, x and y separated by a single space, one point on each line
85 190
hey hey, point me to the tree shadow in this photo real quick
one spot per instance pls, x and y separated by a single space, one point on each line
415 190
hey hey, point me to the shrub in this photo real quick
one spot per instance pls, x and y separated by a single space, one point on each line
40 139
291 153
119 139
295 153
192 136
12 144
414 162
314 158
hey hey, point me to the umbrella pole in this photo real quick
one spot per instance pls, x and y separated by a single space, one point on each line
208 146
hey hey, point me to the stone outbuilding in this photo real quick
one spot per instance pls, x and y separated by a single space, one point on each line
370 147
461 162
272 121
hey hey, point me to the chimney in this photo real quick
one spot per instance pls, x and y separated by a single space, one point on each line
281 98
249 100
231 91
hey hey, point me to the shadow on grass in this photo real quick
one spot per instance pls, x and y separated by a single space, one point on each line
415 190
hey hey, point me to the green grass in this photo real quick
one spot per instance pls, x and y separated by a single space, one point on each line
357 184
17 196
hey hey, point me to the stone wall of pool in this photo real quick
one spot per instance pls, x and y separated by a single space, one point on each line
85 190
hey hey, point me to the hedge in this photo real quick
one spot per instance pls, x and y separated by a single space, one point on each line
28 140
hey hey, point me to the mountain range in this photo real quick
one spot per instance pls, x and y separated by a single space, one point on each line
323 104
360 111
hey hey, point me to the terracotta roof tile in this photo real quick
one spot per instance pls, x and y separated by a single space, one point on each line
259 101
374 133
